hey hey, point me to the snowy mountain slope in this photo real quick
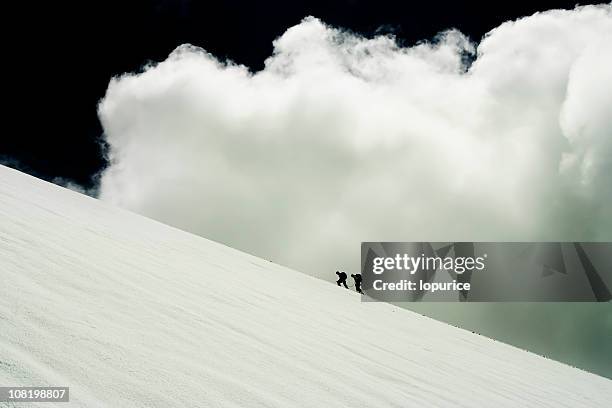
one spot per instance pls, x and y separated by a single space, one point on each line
129 312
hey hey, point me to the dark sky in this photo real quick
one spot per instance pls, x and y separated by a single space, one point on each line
61 55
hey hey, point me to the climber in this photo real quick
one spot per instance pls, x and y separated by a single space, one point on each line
357 278
341 278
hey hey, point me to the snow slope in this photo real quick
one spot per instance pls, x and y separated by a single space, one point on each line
129 312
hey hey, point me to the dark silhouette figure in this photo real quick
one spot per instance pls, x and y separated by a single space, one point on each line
341 279
357 278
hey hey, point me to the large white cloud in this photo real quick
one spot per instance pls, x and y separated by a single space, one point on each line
342 139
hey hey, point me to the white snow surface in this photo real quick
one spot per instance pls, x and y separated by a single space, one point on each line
129 312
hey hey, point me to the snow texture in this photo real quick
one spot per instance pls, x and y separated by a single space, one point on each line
129 312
